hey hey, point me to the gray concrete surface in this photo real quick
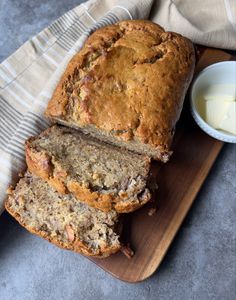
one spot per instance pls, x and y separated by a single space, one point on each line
200 263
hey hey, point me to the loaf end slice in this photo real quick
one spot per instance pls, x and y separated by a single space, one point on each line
102 175
127 86
63 220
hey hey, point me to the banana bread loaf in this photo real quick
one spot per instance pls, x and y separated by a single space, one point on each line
102 175
63 220
127 86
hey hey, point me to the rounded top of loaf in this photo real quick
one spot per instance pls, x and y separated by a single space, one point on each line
129 80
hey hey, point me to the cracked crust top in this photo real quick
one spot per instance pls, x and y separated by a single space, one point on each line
128 81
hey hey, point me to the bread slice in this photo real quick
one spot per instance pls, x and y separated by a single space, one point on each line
127 86
102 175
63 220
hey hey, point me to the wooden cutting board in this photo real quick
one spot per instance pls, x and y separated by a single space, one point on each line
179 182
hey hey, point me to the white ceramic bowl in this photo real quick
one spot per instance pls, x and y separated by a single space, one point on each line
219 73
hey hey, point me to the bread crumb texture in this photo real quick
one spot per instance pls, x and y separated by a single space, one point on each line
63 220
102 175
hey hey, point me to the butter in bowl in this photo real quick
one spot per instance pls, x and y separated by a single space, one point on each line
213 101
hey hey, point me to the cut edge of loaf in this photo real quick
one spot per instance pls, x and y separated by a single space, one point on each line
45 165
156 153
76 245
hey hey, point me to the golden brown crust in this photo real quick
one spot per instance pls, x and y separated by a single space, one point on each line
40 163
94 199
76 246
105 202
129 80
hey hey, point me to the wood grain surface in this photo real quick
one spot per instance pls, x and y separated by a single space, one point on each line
179 182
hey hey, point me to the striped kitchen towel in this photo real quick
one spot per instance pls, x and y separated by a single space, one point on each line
29 76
